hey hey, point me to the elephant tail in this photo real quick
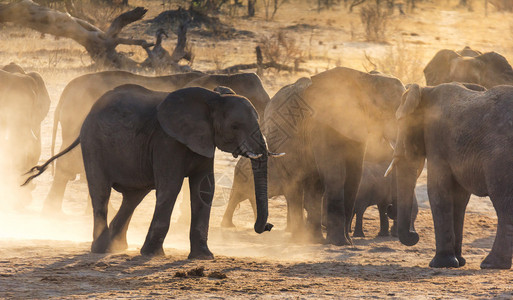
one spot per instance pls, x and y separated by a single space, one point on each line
43 167
54 130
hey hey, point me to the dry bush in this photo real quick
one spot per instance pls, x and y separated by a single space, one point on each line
271 7
402 61
280 48
374 18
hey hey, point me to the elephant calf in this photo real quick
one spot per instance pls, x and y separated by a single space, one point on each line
375 189
134 142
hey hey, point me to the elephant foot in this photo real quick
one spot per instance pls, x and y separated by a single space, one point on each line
494 262
102 243
358 233
227 223
152 251
339 240
393 231
315 237
201 254
53 211
461 260
117 246
383 233
444 261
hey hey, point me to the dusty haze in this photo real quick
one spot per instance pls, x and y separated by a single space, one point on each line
48 256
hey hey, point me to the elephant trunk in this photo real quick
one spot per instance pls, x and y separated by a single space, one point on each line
259 167
406 180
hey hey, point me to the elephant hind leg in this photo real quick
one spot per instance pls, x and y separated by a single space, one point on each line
501 254
236 197
100 194
119 225
459 207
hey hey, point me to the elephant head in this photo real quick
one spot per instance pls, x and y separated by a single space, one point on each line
408 159
203 120
355 103
467 51
42 104
489 69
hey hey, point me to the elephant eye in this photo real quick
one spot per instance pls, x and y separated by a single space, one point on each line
235 126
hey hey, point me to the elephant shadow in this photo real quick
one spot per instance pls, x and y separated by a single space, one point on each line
380 273
122 267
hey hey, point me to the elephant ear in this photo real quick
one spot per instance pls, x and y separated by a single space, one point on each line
409 101
43 99
187 119
340 98
438 69
495 68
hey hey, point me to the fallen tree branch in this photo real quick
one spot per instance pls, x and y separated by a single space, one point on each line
259 65
101 46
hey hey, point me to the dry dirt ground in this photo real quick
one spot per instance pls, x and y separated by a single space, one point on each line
48 256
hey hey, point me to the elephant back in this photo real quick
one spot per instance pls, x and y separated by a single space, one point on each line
285 116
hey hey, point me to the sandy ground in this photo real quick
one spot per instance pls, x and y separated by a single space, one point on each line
48 256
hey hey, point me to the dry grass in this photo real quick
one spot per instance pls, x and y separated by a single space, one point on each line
281 48
401 60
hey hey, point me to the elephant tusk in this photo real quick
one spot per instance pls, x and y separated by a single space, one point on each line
272 154
392 164
253 155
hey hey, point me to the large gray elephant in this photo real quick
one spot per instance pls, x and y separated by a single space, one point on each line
25 103
488 69
466 134
323 124
72 110
133 141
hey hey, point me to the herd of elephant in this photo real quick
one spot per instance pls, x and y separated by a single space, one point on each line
340 129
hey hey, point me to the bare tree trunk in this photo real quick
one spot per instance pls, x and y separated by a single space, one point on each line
251 8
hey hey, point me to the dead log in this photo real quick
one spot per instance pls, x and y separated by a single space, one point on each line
159 58
101 46
259 65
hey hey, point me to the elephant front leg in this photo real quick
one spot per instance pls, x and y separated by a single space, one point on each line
358 226
202 192
295 214
167 191
313 205
501 254
383 220
441 188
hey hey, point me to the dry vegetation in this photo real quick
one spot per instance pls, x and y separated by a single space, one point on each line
42 257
